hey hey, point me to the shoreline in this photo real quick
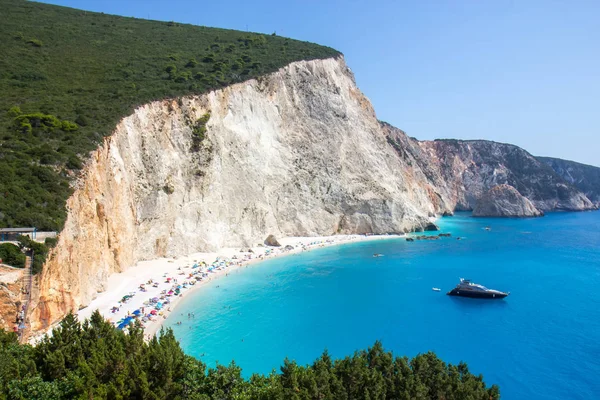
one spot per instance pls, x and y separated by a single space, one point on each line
179 276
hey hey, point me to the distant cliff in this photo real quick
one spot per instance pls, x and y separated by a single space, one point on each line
585 177
459 172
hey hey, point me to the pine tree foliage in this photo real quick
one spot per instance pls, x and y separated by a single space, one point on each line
93 360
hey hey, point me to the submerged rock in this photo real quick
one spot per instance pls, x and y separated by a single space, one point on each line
505 201
272 241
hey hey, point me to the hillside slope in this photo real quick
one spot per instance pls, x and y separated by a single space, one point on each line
585 177
68 76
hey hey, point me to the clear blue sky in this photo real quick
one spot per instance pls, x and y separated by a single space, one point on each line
523 72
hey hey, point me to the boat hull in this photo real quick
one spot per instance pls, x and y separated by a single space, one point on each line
477 295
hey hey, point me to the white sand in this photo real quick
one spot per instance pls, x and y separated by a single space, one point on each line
128 282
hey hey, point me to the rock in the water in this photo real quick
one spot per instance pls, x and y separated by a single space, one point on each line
272 241
505 201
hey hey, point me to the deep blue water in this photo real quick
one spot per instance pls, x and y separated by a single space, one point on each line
542 342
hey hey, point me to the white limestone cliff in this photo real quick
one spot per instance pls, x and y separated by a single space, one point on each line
298 152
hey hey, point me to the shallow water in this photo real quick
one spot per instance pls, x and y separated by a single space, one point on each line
542 342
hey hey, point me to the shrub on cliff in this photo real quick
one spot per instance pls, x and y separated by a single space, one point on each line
93 360
12 255
199 131
60 65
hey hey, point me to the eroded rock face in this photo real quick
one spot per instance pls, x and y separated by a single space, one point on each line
458 172
505 201
472 167
298 153
11 282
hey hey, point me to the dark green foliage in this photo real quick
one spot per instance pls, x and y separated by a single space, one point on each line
12 255
68 76
50 242
192 63
39 251
95 360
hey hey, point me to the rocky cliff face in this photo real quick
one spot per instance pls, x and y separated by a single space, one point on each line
584 177
299 152
460 172
505 201
11 283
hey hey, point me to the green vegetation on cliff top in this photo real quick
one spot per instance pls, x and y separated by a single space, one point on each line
68 76
93 360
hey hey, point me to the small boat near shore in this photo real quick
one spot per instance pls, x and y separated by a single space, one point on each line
436 289
466 288
377 255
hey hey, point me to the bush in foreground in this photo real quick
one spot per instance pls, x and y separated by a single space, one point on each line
93 360
12 255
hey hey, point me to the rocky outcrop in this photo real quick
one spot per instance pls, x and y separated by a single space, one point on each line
11 283
458 172
431 227
471 168
505 201
272 241
299 152
584 177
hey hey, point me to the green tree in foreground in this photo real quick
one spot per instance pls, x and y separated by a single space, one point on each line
93 360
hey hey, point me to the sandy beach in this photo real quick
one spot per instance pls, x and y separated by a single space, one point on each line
150 290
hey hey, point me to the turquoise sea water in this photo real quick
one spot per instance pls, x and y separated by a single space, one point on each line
542 342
